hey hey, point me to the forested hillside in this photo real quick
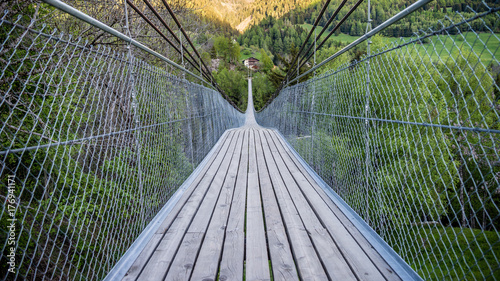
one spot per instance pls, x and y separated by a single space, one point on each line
382 10
279 36
237 11
278 28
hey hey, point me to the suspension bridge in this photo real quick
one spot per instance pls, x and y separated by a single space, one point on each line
120 164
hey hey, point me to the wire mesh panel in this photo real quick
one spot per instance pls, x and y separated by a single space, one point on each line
93 143
409 138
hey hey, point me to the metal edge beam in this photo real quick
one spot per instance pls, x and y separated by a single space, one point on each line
388 254
90 20
123 265
361 39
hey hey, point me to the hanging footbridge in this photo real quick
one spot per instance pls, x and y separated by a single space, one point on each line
252 204
120 164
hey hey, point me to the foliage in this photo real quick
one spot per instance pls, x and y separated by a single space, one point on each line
381 11
234 84
274 36
278 75
424 156
89 170
227 49
262 89
267 63
237 11
441 245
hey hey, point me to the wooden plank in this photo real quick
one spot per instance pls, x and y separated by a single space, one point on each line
329 253
257 265
143 258
160 261
283 265
306 259
359 256
231 265
146 253
207 262
191 243
210 171
184 260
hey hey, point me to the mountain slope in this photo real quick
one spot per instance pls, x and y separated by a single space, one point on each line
242 13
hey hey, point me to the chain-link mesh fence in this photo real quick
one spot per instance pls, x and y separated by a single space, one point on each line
94 141
409 137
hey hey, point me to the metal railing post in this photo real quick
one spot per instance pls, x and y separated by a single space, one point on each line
313 118
188 111
367 113
136 134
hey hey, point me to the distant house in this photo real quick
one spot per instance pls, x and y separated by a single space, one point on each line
251 63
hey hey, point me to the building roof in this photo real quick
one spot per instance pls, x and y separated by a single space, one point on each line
251 58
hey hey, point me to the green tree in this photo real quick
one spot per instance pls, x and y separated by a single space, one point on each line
278 46
262 89
267 63
234 53
206 58
202 39
234 84
213 52
222 46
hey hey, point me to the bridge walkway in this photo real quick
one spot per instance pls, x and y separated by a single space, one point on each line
254 212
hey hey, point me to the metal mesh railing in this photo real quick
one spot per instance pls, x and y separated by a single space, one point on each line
409 138
94 141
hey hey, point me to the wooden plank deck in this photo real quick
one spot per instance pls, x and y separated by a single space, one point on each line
254 213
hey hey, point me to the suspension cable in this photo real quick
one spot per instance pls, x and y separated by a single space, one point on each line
207 74
316 22
157 30
179 25
304 61
160 18
329 22
322 31
94 22
185 34
334 29
402 14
